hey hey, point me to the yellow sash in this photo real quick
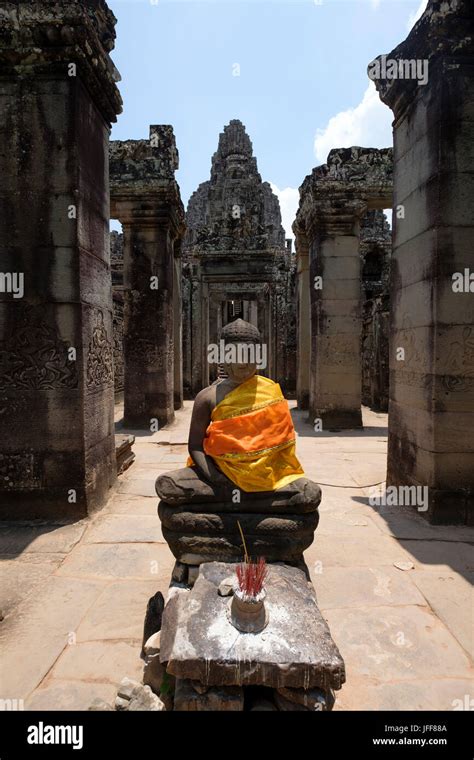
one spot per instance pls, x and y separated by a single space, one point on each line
251 437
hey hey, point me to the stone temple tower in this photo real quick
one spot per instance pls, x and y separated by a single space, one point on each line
236 264
234 209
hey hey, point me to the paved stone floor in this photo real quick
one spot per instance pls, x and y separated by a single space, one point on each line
395 591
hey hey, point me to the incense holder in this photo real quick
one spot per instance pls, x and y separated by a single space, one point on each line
248 614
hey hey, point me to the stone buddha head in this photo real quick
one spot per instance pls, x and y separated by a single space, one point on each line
243 351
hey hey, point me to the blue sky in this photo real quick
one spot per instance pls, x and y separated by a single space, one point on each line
301 90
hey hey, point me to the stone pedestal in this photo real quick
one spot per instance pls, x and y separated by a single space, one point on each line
431 407
200 521
294 659
145 198
58 98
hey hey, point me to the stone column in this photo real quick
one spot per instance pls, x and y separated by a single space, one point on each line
303 321
186 325
332 200
145 198
219 319
336 380
253 317
205 332
270 323
431 406
213 332
197 326
58 99
178 327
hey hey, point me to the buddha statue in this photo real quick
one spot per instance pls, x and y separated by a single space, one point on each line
242 474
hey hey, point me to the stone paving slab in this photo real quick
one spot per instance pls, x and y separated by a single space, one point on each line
365 587
46 538
143 487
407 523
397 643
422 694
451 597
59 694
339 550
133 505
115 561
32 639
119 611
125 528
346 524
21 575
151 453
104 661
442 556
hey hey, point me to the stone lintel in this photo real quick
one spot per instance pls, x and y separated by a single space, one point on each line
268 255
47 37
444 32
152 213
335 195
143 188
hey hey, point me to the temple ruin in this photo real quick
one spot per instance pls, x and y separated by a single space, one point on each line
367 331
325 311
236 263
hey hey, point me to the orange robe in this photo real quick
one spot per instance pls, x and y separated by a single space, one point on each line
251 437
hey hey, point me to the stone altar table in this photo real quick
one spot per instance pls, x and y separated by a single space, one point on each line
213 663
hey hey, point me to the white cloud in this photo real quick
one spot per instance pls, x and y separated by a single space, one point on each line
367 125
289 199
413 17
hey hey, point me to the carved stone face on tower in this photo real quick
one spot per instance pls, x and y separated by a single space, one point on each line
234 210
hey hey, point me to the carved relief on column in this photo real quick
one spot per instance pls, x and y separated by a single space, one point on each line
100 355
